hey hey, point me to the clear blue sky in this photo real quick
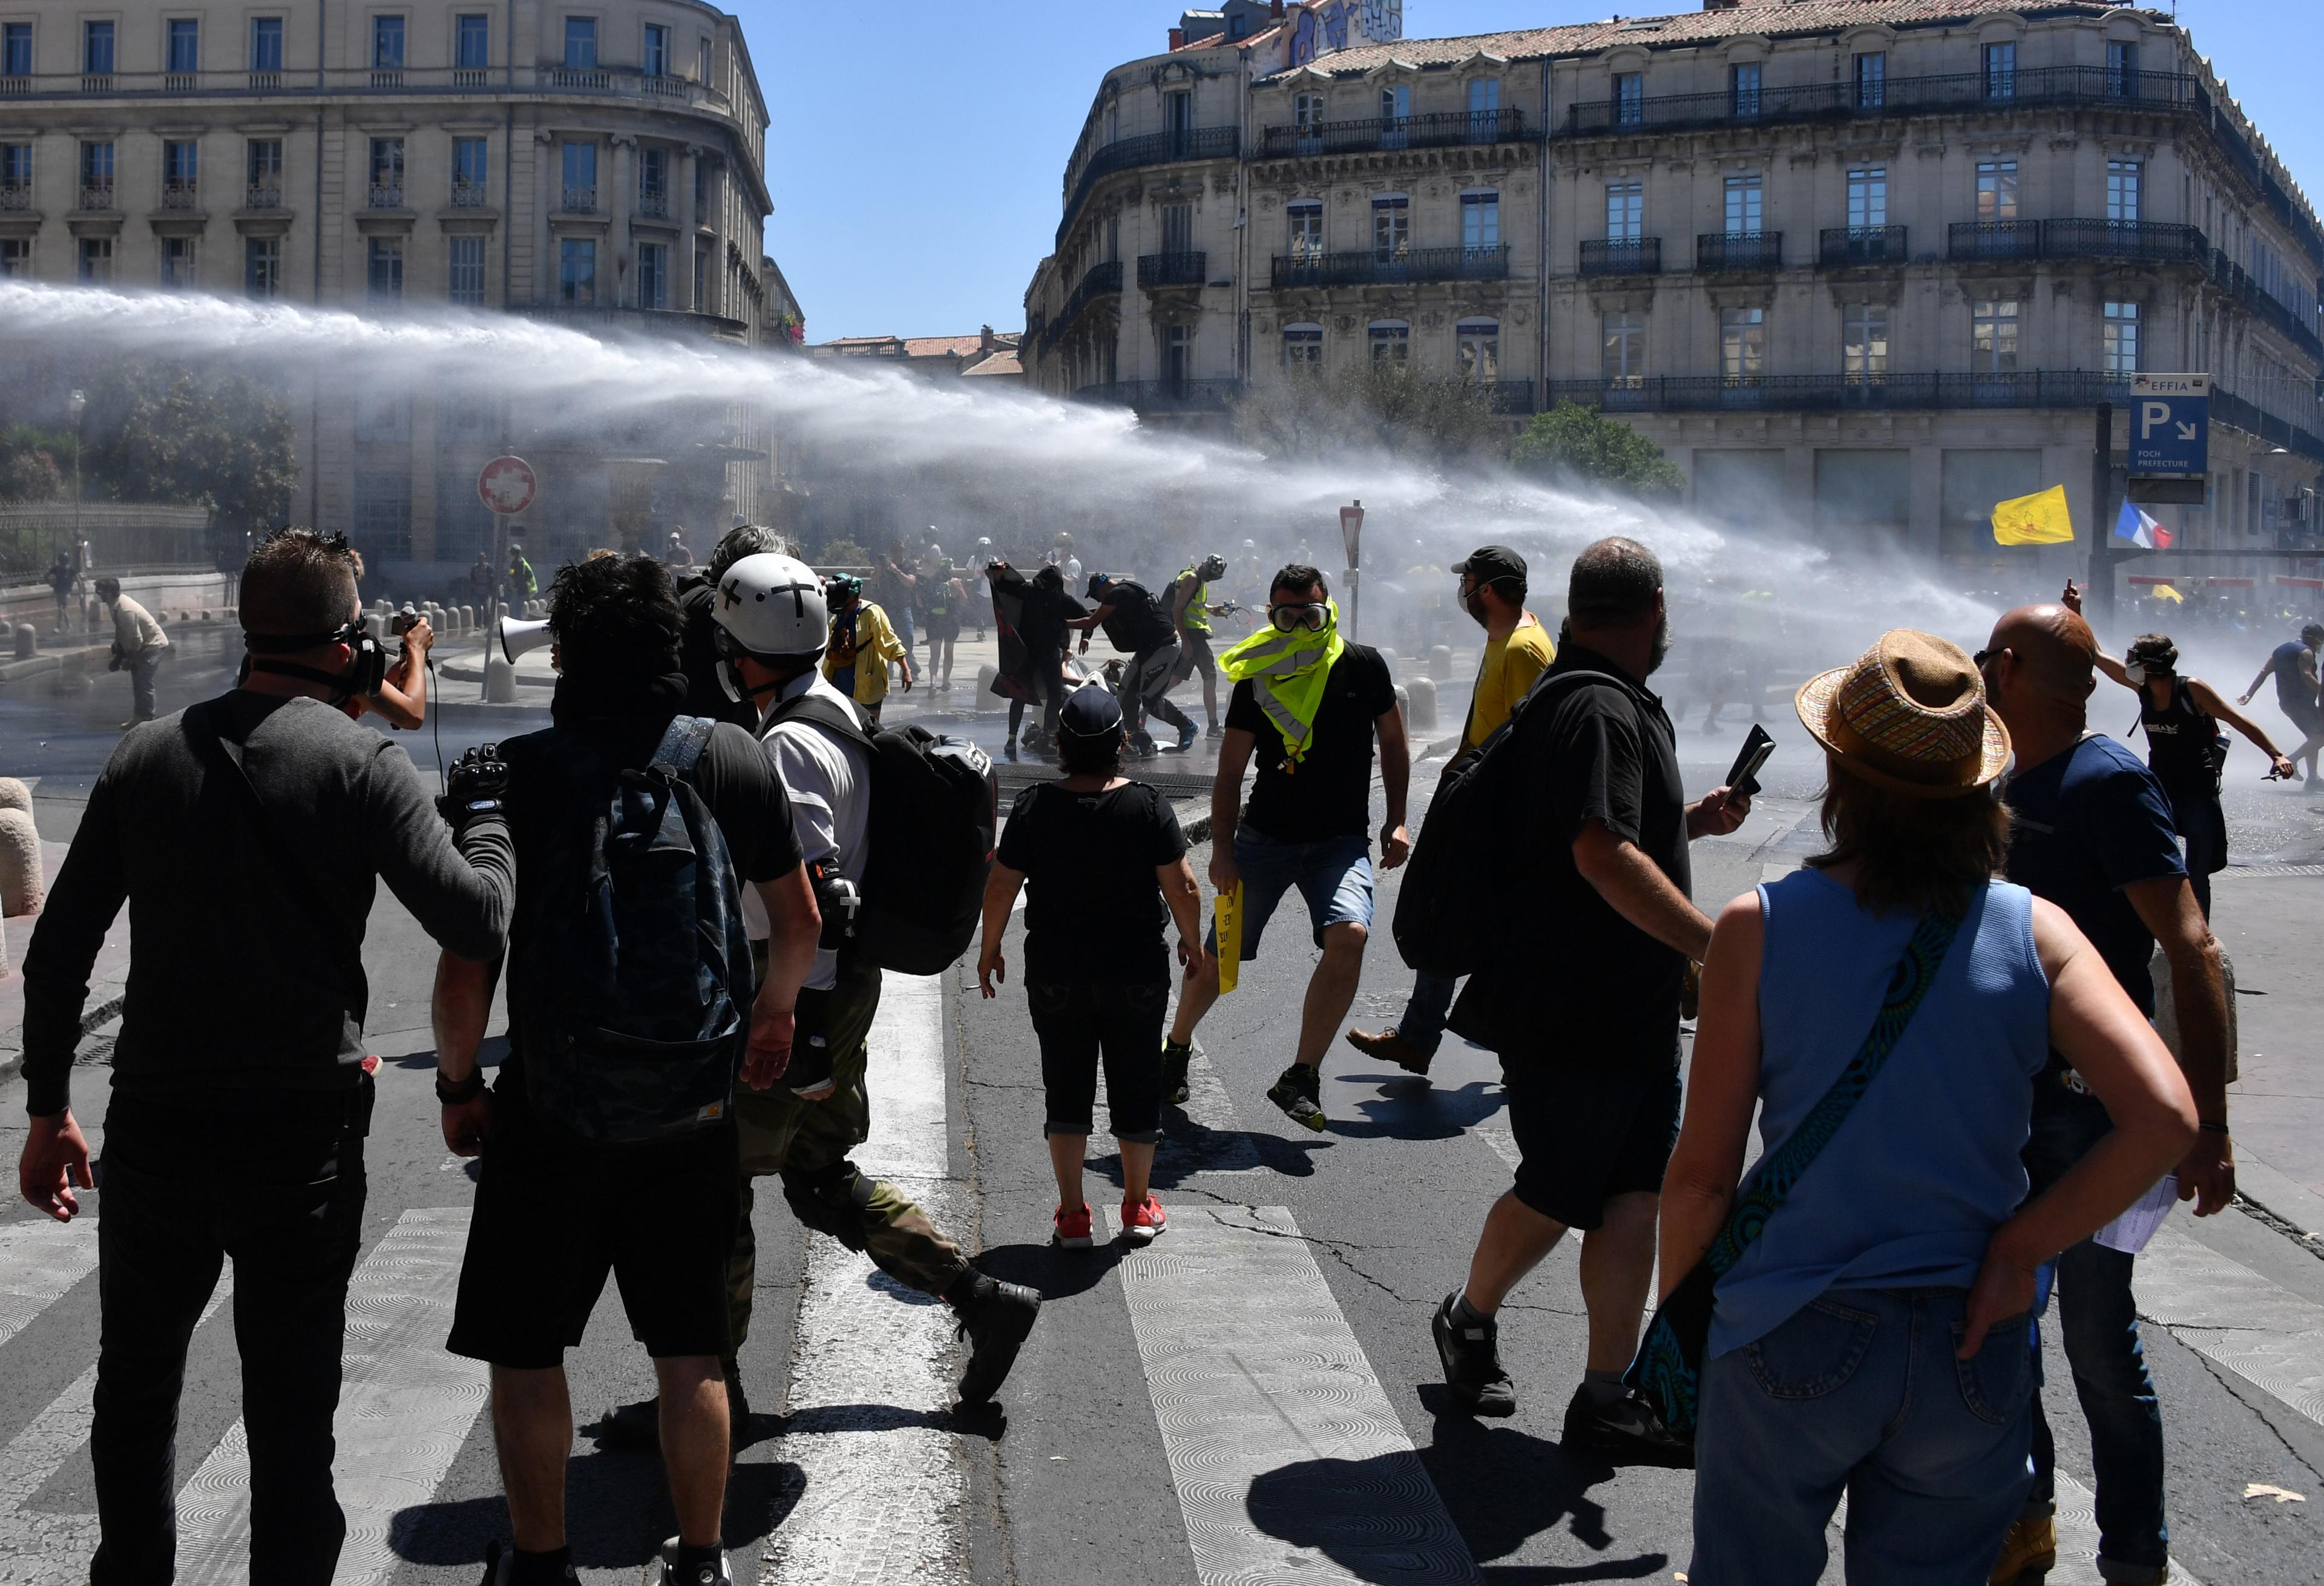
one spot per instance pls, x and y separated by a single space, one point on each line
915 148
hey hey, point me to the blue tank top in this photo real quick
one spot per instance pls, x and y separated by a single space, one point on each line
1910 1190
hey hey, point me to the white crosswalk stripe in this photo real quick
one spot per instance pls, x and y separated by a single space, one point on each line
2219 1308
39 1259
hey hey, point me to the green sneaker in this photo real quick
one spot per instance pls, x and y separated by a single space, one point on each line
1174 1058
1299 1092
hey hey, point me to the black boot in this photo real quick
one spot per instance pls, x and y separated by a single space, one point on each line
995 1318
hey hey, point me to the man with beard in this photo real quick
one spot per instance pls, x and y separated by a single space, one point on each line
1517 649
1582 1004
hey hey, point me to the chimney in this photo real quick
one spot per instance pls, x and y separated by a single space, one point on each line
1177 38
1721 5
985 338
1274 10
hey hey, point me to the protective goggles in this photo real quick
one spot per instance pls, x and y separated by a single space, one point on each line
1290 619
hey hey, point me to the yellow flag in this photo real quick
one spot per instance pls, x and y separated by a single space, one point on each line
2033 520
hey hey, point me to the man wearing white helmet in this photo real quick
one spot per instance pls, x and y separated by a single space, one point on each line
979 559
773 623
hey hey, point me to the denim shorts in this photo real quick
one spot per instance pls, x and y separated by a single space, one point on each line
1335 875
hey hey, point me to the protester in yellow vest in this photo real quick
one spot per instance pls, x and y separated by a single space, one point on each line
1191 613
863 643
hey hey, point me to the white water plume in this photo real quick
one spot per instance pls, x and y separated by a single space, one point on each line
1138 500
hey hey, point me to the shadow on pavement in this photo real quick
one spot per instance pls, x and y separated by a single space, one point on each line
606 1494
1409 1108
1055 1272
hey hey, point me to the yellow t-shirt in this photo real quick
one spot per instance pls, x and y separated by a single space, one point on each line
875 646
1507 671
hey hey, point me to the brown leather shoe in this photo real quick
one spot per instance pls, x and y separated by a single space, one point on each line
2029 1553
1390 1046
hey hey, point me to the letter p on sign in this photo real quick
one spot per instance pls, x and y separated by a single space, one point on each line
2151 416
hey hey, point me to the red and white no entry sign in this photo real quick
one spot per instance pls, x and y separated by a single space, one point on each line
507 485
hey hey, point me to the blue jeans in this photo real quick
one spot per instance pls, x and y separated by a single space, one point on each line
1861 1393
1334 875
2099 1320
1422 1024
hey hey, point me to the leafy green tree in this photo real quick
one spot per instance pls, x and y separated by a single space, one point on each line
165 433
1576 445
32 465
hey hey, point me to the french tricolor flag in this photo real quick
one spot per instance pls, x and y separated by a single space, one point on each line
2140 530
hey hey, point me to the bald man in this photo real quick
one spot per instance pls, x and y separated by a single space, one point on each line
2094 834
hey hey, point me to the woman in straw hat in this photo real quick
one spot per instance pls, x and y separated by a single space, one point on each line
1888 1008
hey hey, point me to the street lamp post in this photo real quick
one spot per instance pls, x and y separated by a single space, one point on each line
78 404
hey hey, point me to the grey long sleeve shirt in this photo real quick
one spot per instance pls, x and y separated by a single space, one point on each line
234 982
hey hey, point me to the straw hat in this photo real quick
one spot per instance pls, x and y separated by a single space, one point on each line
1910 715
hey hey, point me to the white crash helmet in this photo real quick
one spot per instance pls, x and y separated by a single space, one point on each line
772 605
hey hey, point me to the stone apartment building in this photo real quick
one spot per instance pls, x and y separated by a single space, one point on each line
1862 265
597 163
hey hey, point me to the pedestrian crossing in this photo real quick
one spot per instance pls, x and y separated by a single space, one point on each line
1288 1455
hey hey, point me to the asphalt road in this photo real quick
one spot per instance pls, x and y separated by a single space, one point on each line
1253 1399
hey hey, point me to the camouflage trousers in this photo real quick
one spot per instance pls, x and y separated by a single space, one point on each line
808 1143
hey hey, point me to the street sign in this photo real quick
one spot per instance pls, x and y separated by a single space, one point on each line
2169 426
1351 530
507 485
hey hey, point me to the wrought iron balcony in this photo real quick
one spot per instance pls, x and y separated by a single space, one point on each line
1965 91
1101 279
1634 255
264 195
1182 268
1371 267
1512 396
97 195
1993 239
2140 242
1444 130
579 202
1163 396
385 194
15 195
468 195
1848 246
1162 148
653 203
179 194
1739 250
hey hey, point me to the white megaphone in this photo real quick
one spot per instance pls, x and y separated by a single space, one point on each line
516 638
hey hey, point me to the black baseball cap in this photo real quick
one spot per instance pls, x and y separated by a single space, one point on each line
1090 712
1097 581
1493 563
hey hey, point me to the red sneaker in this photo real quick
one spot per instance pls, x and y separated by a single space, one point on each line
1141 1220
1071 1229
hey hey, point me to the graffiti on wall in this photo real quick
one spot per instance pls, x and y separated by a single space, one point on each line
1324 26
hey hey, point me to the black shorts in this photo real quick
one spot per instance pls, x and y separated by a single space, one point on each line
553 1215
1590 1124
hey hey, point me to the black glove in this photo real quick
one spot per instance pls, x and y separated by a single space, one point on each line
476 785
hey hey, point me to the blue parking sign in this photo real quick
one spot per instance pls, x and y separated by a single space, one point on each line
2169 426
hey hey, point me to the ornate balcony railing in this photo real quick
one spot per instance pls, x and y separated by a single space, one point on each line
1370 267
1841 247
2137 242
97 195
1181 269
1965 90
1099 280
1444 130
578 201
1162 148
1163 396
588 78
262 195
1512 396
1634 255
1993 239
653 203
469 195
179 194
15 195
387 195
180 82
1739 250
265 82
472 77
387 77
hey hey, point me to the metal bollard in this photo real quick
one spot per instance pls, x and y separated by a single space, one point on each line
1420 705
500 680
1440 662
28 641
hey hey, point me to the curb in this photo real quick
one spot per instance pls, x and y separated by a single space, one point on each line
13 1063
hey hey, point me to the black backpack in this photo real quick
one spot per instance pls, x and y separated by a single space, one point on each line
637 979
935 805
1449 910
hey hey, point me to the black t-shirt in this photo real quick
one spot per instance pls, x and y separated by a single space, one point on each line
698 657
1330 793
1603 751
2182 746
1136 625
2294 694
1094 910
1044 614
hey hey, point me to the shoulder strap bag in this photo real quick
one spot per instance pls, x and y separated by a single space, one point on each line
1668 1371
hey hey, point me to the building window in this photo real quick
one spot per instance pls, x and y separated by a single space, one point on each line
1306 112
1870 77
656 59
1178 357
177 262
96 49
1302 347
463 415
1478 345
472 42
702 303
2122 68
266 44
1867 196
1485 96
387 173
702 190
1480 221
1743 87
2001 72
1177 228
2123 176
387 43
1743 346
1997 190
701 61
1625 210
653 275
1629 97
1864 343
184 47
1746 203
96 179
1391 342
1625 349
385 270
95 261
15 257
1396 104
470 167
465 282
16 170
382 516
580 179
1993 337
576 272
1391 229
16 49
262 267
581 43
1306 216
2121 349
382 415
180 172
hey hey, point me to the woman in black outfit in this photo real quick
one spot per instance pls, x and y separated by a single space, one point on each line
1107 865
